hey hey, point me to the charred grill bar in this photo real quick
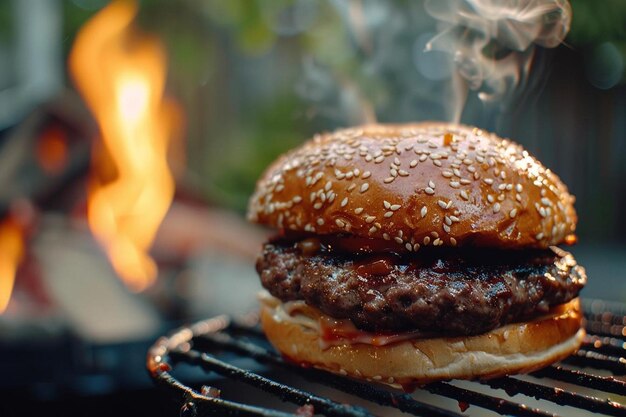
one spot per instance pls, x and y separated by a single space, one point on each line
201 344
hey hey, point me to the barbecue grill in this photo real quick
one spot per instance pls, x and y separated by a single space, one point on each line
589 380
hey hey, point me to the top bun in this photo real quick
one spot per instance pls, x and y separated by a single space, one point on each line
416 184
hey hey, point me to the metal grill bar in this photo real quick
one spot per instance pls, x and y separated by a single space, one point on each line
587 358
203 405
379 396
482 400
604 348
368 392
600 383
284 392
559 396
605 344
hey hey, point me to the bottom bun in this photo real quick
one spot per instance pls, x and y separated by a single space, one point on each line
510 349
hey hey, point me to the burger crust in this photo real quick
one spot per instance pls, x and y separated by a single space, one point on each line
514 348
416 184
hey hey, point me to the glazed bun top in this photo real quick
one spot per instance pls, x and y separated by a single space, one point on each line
416 184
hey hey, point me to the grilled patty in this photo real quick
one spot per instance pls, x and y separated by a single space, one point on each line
449 292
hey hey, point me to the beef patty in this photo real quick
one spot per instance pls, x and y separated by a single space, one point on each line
450 292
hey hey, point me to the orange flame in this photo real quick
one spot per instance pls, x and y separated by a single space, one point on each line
11 254
121 75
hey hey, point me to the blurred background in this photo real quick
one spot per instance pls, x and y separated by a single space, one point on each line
106 243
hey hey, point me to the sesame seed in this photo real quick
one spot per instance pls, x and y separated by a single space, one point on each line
542 211
464 195
416 247
429 191
344 202
513 213
368 158
446 174
465 181
448 220
408 246
502 187
365 187
455 219
437 242
388 214
442 204
349 175
518 188
357 172
388 180
351 187
413 163
297 199
424 211
437 163
423 157
488 181
386 236
366 175
426 240
373 229
328 185
379 159
396 161
317 205
395 207
331 196
398 240
490 198
340 223
496 207
455 184
446 228
403 173
431 184
457 172
539 236
393 172
453 241
358 210
369 219
320 221
546 202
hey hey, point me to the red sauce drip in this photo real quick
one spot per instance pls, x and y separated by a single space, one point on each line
378 267
463 406
306 410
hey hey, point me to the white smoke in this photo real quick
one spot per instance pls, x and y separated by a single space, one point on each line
492 42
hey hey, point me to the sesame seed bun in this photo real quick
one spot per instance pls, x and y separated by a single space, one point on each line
513 348
416 184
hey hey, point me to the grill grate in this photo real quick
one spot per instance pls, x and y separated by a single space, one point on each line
204 343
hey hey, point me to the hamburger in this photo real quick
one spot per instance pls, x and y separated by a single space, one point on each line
412 253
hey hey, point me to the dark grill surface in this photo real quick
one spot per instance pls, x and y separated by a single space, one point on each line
590 381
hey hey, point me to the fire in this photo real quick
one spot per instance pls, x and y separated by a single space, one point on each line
11 253
121 75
